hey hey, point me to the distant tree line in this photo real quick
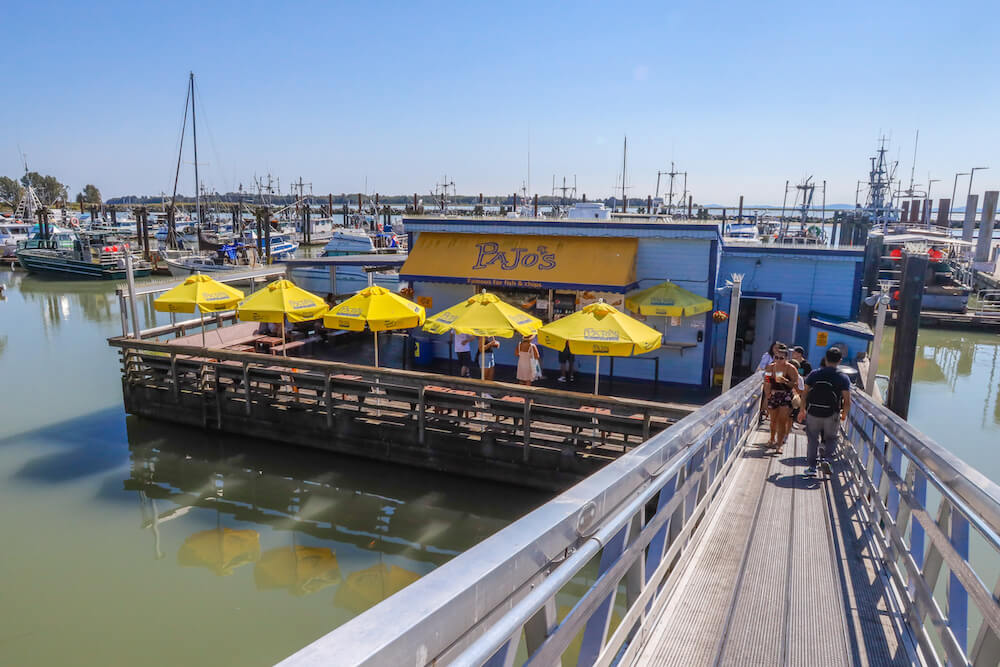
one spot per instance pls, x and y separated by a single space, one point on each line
48 189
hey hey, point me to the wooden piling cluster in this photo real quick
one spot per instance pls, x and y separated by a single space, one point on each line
530 436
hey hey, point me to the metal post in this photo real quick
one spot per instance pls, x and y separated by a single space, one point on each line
969 221
267 235
734 314
130 276
880 308
986 226
904 349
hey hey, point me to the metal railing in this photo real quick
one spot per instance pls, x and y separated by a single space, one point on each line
988 302
928 511
497 603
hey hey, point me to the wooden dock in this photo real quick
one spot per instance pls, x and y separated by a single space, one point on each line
543 438
951 320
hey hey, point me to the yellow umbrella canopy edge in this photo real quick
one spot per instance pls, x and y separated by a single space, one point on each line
198 291
667 300
379 308
281 299
483 314
600 329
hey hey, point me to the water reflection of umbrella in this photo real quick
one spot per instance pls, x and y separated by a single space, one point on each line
221 550
302 570
366 588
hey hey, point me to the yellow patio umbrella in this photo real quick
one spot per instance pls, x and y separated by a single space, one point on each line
667 300
484 314
600 330
201 292
279 300
365 588
220 549
377 307
300 569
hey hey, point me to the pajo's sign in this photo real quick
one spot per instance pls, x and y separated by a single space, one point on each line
490 254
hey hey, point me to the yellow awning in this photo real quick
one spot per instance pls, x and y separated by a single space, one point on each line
504 260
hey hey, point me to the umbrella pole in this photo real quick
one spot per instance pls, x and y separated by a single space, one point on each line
597 375
283 353
376 348
482 365
202 316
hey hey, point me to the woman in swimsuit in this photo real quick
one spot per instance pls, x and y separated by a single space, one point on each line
780 385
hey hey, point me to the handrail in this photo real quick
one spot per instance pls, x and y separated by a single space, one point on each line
474 608
405 377
891 465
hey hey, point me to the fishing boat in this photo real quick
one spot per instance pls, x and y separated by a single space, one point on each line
12 232
947 283
345 241
71 254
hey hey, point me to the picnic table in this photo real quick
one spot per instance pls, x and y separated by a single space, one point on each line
267 342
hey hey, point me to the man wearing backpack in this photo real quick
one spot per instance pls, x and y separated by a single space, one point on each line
827 399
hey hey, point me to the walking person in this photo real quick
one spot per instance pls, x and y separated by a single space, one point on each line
781 381
799 355
487 361
463 348
527 358
566 362
827 402
767 358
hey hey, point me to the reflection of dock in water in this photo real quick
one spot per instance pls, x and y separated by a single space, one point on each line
366 511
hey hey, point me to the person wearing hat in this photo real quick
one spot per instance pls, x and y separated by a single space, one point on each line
799 355
527 357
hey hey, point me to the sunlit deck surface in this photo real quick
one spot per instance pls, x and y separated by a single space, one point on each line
781 573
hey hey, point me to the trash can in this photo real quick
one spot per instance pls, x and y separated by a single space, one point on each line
423 352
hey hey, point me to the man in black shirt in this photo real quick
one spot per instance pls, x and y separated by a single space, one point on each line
827 401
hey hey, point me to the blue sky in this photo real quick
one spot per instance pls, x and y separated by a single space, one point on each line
741 95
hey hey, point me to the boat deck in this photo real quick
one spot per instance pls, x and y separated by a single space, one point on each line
781 574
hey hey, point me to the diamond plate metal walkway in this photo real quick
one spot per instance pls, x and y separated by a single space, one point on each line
780 574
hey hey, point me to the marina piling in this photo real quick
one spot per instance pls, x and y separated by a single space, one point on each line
690 204
944 212
969 221
267 235
869 282
986 226
904 211
926 219
536 206
739 216
904 349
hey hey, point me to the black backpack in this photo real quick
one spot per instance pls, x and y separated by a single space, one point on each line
823 399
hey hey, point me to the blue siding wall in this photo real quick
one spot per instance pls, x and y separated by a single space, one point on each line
817 283
683 261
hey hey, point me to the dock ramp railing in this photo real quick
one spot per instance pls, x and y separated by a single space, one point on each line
621 530
933 522
578 577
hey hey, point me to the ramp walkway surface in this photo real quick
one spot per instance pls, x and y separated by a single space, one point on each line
781 573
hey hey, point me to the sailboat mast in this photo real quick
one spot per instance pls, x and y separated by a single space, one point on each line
624 158
194 139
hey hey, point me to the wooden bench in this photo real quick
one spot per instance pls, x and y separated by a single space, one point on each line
295 344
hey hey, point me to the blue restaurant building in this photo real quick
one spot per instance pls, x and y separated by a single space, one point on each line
553 267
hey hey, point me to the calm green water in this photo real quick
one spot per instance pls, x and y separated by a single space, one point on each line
956 392
130 542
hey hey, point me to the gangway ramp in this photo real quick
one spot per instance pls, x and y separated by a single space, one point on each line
768 582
